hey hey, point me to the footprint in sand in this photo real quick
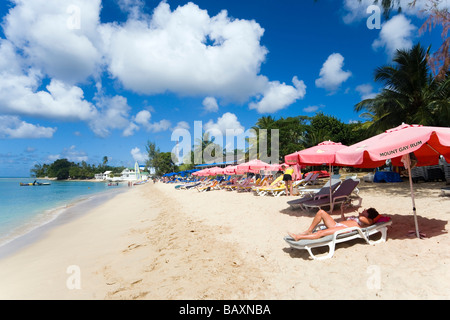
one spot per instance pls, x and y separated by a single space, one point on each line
132 247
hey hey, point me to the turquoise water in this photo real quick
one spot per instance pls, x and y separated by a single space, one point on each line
23 208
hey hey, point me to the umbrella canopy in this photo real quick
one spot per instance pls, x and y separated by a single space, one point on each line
215 171
324 152
230 170
426 143
274 167
252 166
201 173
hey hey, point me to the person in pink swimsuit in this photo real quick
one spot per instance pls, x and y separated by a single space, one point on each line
365 218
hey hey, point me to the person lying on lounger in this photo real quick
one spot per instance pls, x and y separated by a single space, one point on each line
365 218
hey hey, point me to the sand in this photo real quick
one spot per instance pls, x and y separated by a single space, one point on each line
155 242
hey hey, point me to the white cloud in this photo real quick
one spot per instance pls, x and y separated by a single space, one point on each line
14 128
112 113
142 119
182 125
331 73
71 154
52 47
278 96
355 10
210 104
311 109
58 37
138 156
366 91
129 131
187 52
228 123
395 34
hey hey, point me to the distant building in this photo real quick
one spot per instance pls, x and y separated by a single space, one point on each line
128 174
103 176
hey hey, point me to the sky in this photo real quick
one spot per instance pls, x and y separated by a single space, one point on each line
84 79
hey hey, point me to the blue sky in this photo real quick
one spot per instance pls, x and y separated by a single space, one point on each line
84 79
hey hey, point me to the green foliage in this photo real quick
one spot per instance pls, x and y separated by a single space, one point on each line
63 169
161 161
410 95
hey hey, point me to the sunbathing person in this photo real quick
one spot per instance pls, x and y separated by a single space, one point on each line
365 218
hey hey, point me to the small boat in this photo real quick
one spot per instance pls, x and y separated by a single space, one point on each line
33 184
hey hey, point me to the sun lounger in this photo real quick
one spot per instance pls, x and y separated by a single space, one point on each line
309 179
208 187
341 196
188 186
310 194
280 190
249 186
339 236
241 182
264 190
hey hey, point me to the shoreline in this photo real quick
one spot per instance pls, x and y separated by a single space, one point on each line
155 242
35 229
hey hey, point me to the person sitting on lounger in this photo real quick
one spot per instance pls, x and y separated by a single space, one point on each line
365 218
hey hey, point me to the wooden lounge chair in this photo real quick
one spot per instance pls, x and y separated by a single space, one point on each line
339 236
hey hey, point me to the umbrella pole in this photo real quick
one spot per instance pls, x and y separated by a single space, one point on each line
331 201
412 198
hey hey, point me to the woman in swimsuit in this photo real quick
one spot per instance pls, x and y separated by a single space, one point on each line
287 178
365 218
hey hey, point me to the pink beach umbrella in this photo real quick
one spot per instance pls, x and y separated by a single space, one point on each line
229 170
275 167
426 143
215 171
202 173
252 166
323 153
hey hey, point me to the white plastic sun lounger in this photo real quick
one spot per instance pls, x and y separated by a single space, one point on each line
339 236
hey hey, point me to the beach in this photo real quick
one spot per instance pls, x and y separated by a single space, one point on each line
155 242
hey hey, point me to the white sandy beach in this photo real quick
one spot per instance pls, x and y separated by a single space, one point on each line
155 242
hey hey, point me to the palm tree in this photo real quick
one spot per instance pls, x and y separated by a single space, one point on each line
410 94
206 147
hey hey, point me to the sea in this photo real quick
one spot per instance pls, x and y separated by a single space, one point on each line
24 209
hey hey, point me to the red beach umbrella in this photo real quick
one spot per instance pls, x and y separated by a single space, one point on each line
426 143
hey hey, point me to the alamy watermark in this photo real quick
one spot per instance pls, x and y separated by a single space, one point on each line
74 280
73 21
374 279
236 142
374 20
